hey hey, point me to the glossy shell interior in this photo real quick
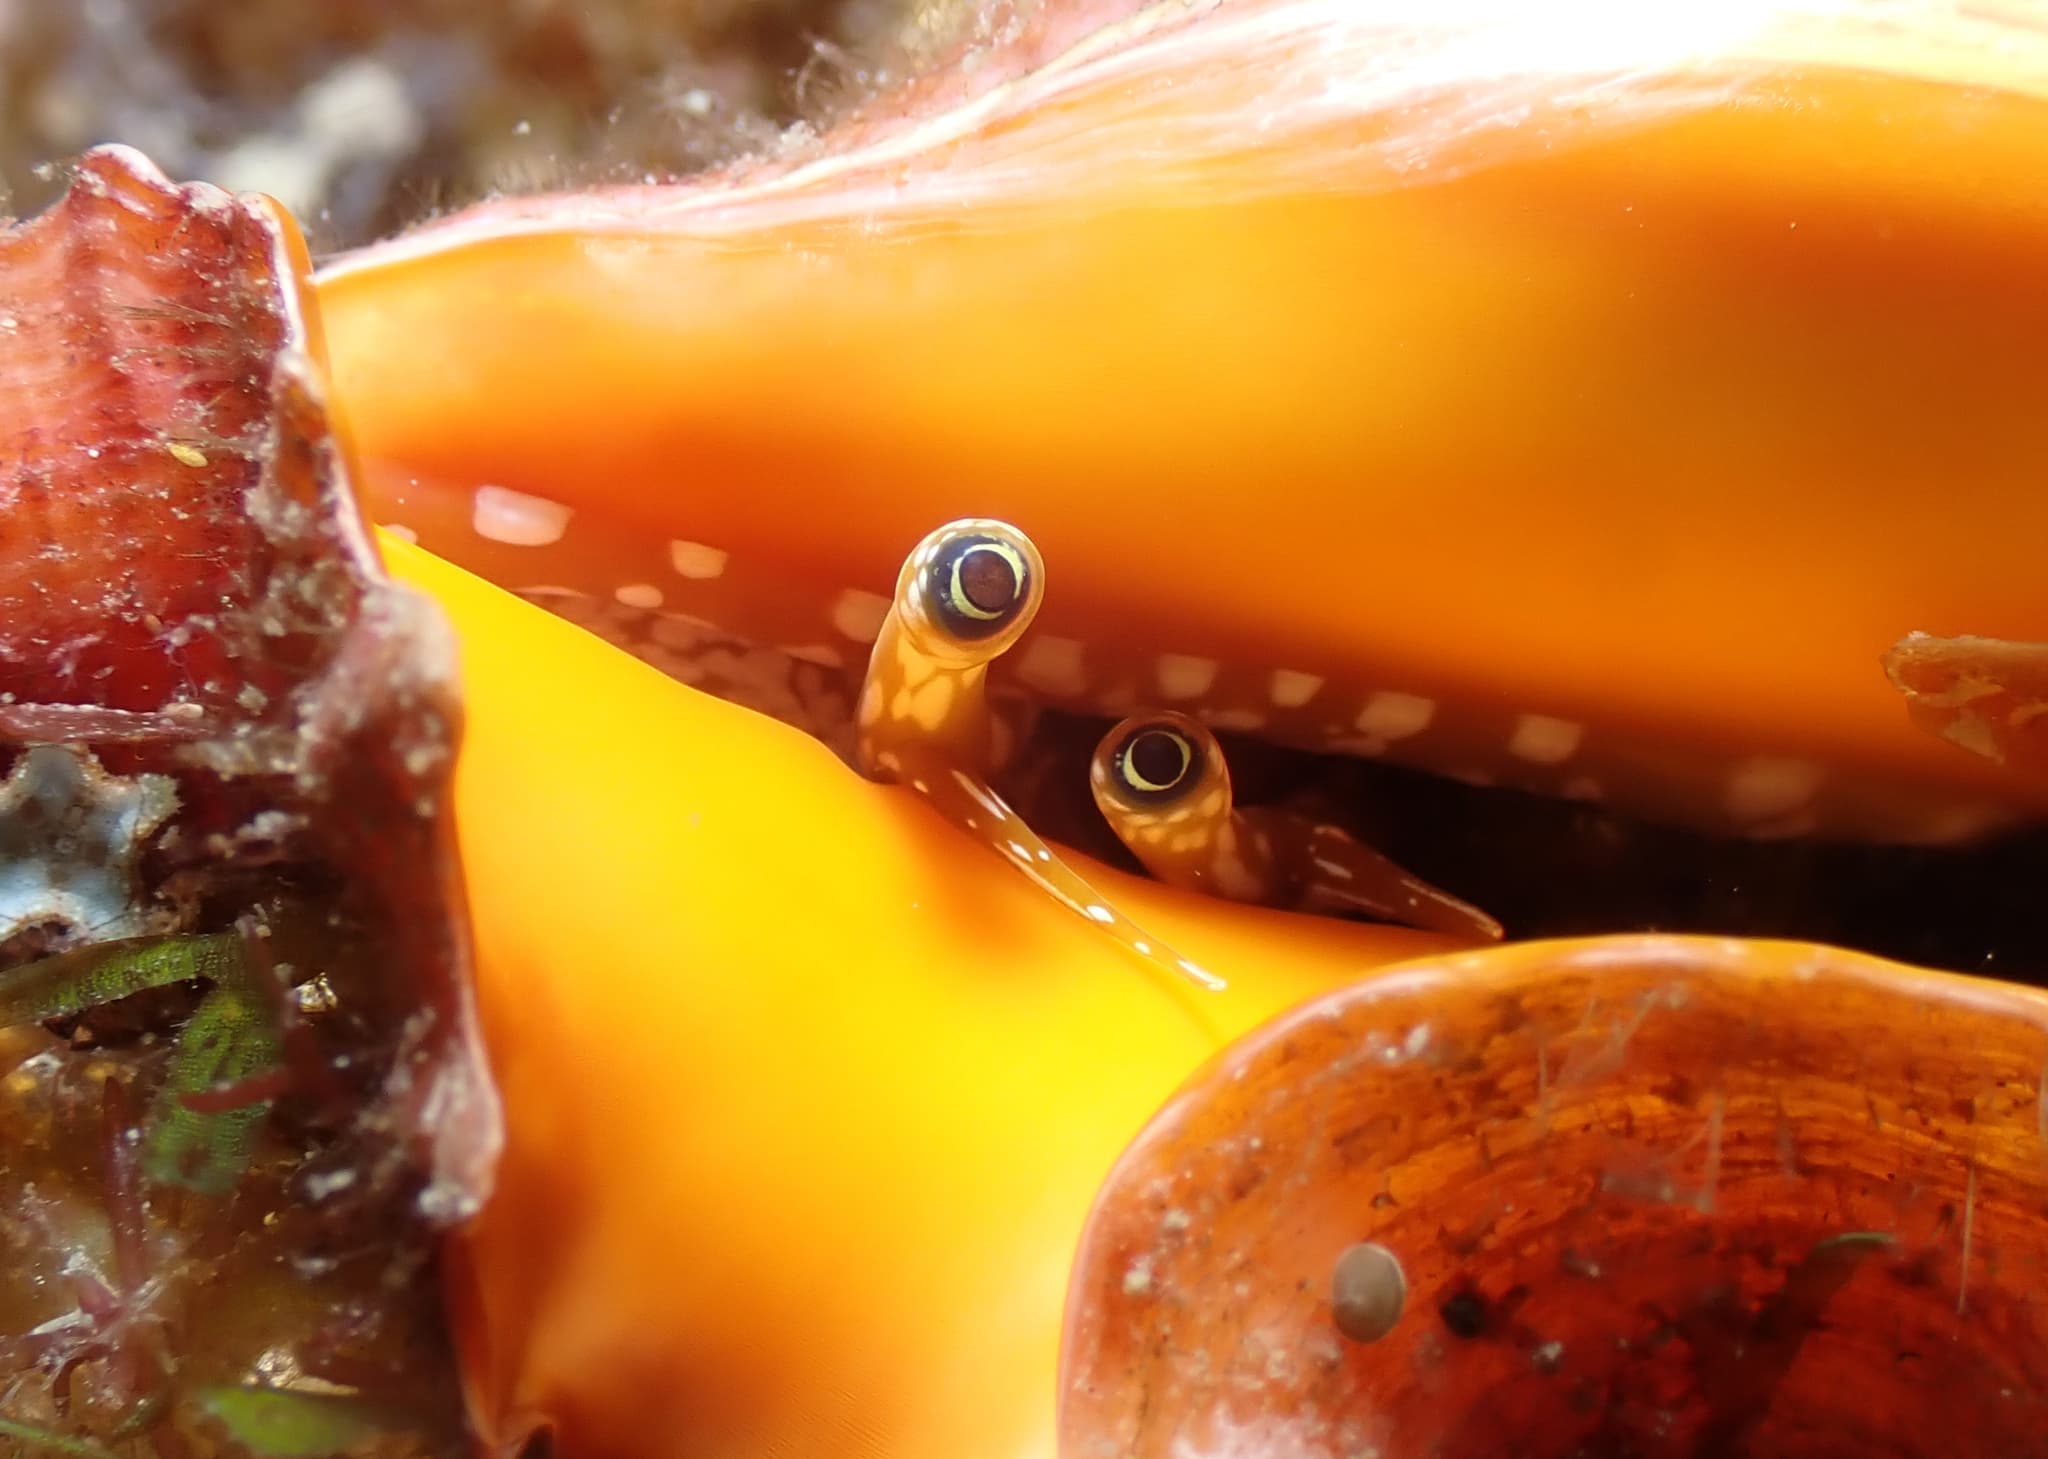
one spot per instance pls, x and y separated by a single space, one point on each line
1653 1197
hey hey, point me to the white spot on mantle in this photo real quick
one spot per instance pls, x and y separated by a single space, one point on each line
1291 688
500 514
859 615
1053 664
695 560
1186 676
1767 786
1543 740
1391 715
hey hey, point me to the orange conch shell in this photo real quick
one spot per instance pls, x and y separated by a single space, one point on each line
1650 1196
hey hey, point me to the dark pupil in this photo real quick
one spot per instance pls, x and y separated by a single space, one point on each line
1157 758
972 591
987 580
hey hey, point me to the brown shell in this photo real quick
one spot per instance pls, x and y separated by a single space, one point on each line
1652 1197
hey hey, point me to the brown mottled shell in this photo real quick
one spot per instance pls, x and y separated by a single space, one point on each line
1651 1196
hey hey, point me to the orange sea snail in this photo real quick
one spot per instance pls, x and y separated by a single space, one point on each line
1879 354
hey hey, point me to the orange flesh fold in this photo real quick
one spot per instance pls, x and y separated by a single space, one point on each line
1667 423
806 1104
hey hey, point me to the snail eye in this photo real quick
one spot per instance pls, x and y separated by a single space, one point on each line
977 585
1156 763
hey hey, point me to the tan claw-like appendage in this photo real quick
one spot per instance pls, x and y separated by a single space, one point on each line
966 593
1988 695
1161 782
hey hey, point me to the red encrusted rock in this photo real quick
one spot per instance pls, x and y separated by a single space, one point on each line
173 538
217 716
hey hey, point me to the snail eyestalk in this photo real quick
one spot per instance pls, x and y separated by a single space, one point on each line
1162 783
967 592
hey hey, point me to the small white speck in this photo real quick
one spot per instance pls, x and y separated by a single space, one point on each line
402 533
1138 1277
321 1185
1100 913
638 595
